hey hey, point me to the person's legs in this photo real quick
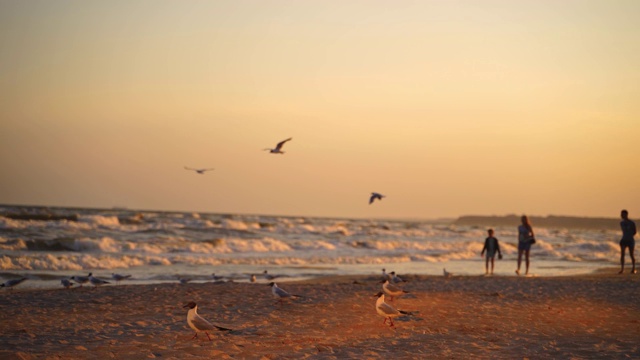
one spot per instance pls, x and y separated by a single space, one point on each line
492 264
622 250
486 265
519 261
633 259
526 254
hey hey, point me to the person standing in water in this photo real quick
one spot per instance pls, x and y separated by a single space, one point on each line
628 232
491 246
525 239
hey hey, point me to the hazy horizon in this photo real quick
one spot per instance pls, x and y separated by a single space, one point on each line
434 219
447 108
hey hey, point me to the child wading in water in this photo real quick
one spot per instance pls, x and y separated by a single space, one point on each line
491 246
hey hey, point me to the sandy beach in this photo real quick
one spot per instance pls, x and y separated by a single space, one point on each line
585 317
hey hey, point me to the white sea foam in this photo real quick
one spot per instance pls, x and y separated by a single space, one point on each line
111 221
102 241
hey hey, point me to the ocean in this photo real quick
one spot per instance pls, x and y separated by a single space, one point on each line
47 244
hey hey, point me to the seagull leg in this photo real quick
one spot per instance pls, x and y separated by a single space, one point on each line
208 335
194 336
391 321
385 321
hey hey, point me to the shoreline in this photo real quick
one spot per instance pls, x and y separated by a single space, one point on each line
42 281
458 317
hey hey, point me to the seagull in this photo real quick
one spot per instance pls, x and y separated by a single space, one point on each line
184 280
392 290
375 195
81 279
13 282
198 323
280 293
216 277
387 311
199 171
278 148
394 278
269 276
385 276
66 283
446 273
118 277
97 282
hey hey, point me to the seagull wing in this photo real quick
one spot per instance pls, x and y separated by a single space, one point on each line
393 288
388 309
281 293
201 324
281 143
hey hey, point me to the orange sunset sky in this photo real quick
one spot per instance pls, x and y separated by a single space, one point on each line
447 107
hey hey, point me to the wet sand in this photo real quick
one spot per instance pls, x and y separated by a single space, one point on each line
581 317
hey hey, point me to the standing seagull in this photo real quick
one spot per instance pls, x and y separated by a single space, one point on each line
198 323
280 293
278 148
268 276
13 282
199 171
96 282
386 310
375 195
66 283
392 290
395 278
81 279
118 277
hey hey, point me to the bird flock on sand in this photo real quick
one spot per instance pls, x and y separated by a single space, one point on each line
391 289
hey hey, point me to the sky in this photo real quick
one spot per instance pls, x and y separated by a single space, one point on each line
448 108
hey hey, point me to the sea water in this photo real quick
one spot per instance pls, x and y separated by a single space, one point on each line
47 244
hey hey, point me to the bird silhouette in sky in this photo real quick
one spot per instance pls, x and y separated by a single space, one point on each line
199 171
374 196
278 148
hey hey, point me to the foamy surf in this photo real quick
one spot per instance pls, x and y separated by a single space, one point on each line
59 241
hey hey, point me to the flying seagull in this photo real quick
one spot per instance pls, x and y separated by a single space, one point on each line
278 148
199 171
375 195
198 323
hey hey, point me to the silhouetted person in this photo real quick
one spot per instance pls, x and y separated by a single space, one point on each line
628 232
491 246
525 238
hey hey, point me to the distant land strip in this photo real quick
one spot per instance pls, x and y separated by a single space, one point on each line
550 221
